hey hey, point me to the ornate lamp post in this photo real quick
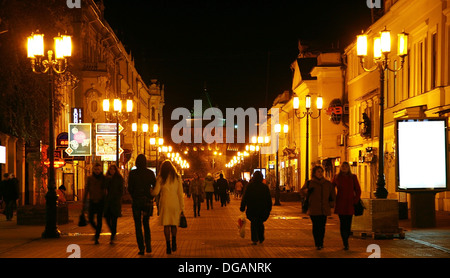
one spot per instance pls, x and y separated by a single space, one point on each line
57 64
277 184
308 113
144 129
381 50
117 110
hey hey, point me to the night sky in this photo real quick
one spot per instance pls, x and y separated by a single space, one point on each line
241 50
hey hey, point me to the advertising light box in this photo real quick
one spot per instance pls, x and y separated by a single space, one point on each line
422 154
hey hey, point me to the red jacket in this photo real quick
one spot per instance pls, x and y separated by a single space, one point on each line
348 193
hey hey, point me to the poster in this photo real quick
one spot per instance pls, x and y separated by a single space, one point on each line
106 144
79 139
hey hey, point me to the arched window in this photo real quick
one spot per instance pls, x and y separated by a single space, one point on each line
153 113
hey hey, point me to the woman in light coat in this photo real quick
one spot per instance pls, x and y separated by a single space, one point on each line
170 187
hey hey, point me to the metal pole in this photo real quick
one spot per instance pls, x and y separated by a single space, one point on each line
117 141
51 230
381 192
277 185
307 147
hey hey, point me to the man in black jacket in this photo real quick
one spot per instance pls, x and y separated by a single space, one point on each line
258 201
140 182
222 185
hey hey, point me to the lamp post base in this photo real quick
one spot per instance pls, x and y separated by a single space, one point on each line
381 193
51 230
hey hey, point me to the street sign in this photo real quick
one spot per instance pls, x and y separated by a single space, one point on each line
108 128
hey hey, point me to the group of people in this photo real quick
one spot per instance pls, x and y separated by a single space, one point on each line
201 189
9 193
103 196
104 193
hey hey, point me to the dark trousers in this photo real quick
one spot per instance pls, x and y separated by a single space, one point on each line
318 229
96 209
9 208
111 221
141 216
223 199
257 230
345 227
197 204
209 199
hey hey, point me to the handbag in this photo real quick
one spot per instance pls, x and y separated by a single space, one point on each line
305 203
183 222
359 208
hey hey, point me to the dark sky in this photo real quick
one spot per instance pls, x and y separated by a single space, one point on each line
226 44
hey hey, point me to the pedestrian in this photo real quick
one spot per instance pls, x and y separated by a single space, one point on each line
169 186
238 189
209 190
94 195
222 186
61 193
141 183
10 192
348 194
258 202
113 201
321 197
197 190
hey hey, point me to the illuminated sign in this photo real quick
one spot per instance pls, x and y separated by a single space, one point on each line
57 163
79 140
422 154
2 154
77 115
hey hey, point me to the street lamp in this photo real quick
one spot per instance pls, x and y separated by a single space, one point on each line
117 109
157 142
381 51
144 129
308 113
277 184
63 50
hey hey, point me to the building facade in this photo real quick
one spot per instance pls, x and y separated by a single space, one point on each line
421 88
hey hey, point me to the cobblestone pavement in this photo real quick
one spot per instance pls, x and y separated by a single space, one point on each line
214 235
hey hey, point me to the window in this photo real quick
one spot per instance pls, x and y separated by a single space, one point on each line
434 61
153 114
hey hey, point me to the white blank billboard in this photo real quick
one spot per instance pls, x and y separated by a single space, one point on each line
422 154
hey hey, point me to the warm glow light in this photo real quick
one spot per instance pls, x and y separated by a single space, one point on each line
385 41
63 47
129 105
285 128
155 128
377 48
106 105
402 49
319 103
161 141
152 141
308 102
35 45
254 139
117 105
260 139
266 139
277 128
361 45
145 127
134 126
296 103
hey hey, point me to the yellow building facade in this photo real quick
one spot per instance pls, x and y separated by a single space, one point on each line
420 89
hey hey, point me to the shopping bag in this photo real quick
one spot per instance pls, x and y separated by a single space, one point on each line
82 221
241 225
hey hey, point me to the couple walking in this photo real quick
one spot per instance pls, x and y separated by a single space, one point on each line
322 197
143 187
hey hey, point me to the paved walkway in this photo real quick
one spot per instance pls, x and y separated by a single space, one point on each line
215 235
